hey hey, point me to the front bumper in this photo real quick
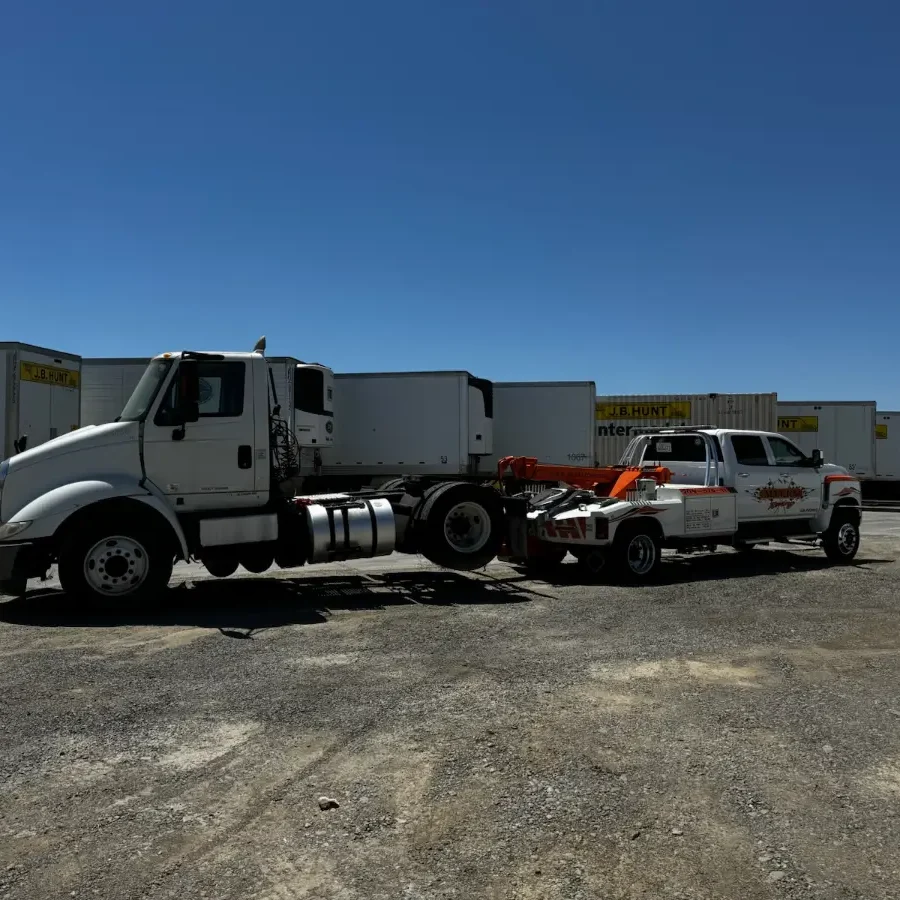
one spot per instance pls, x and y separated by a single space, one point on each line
14 560
20 561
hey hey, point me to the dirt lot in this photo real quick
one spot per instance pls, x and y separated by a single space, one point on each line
733 732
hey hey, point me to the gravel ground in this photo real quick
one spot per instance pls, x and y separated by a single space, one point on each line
732 732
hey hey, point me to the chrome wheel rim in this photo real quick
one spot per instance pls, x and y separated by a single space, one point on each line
641 554
117 565
467 527
847 538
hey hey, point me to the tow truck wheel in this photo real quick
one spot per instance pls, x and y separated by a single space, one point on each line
114 564
636 553
841 541
460 525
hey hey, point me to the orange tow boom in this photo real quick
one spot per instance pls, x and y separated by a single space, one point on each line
605 481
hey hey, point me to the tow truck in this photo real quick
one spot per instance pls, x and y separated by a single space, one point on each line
199 466
689 489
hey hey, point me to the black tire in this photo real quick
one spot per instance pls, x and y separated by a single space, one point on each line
258 559
220 566
636 553
460 526
116 562
841 540
392 484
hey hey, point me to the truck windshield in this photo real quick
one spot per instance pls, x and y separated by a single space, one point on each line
145 393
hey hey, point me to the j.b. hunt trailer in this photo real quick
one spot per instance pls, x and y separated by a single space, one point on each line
115 505
620 417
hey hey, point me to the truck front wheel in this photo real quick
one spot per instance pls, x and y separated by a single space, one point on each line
461 526
114 564
841 540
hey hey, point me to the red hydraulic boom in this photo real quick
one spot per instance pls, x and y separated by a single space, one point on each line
604 481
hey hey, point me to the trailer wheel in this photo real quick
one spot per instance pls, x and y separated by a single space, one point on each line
636 552
460 525
115 564
220 566
841 540
257 559
392 484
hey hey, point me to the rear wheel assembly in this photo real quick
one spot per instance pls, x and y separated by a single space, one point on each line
636 553
460 526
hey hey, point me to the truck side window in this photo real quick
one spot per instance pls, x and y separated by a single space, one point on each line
749 450
675 447
221 392
785 453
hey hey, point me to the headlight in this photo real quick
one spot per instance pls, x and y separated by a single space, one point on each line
11 529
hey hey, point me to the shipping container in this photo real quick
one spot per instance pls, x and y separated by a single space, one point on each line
617 417
106 383
40 394
552 421
408 423
844 430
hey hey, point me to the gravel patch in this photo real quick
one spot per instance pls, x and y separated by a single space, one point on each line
733 731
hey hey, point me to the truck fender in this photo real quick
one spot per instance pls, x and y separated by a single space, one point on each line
50 511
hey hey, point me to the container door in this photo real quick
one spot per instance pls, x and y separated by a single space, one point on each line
213 466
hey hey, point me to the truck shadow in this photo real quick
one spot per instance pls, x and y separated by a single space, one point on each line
680 569
240 607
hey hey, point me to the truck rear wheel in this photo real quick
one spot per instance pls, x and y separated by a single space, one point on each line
115 564
636 553
460 525
841 540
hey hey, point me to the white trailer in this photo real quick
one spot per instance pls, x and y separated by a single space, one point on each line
39 390
408 423
619 416
844 430
887 446
552 421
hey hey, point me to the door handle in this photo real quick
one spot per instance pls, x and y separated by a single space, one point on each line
743 474
245 456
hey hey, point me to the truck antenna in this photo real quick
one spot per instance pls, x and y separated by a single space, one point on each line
260 345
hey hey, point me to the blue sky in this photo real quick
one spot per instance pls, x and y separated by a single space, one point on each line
661 197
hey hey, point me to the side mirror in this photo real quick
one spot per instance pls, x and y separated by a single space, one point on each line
817 458
188 392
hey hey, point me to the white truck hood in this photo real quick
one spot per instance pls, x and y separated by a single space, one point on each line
91 437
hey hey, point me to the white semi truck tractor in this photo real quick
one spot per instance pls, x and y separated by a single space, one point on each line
197 467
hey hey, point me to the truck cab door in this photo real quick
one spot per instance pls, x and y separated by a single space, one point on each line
801 482
210 463
771 479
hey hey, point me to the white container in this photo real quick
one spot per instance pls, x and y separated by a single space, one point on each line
887 445
106 384
844 430
409 423
618 416
40 394
552 421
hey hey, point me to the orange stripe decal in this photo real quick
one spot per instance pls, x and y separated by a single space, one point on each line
830 478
